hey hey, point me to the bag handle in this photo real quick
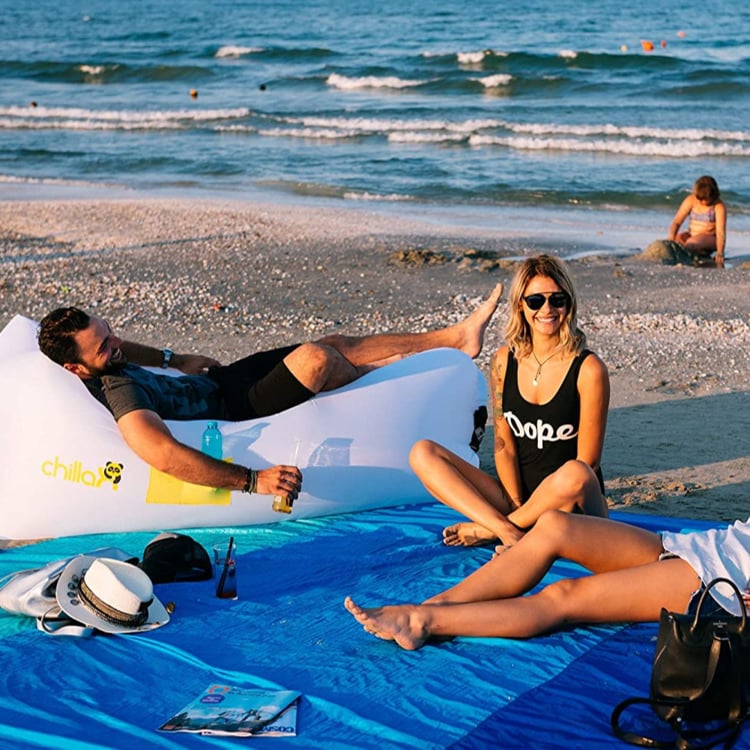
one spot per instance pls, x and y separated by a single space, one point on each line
725 733
704 594
631 737
54 622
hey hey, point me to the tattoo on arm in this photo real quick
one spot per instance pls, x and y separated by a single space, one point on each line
496 377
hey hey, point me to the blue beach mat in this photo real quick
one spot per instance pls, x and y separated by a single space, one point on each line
289 630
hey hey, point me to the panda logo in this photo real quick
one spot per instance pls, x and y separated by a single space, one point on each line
113 472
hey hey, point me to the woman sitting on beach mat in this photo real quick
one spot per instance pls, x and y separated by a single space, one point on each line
707 228
550 399
636 573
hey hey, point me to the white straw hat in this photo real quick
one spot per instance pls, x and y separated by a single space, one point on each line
109 595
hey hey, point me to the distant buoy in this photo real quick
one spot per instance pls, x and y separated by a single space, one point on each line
647 46
681 34
194 93
663 42
624 48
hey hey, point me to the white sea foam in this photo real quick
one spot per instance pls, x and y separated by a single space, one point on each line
316 133
233 50
371 125
496 81
365 196
366 125
471 58
95 70
17 180
629 147
65 124
236 129
417 137
347 83
74 118
388 125
689 134
567 54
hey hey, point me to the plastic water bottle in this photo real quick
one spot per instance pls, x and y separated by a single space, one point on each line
211 441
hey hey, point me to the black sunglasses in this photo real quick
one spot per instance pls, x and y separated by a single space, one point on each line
556 299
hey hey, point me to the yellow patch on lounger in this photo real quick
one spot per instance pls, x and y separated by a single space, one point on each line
164 489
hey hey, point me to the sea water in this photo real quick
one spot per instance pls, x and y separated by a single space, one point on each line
461 111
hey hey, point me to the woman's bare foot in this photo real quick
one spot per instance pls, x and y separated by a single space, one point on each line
468 534
471 330
401 623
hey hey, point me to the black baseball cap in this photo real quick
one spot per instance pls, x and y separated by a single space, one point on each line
171 557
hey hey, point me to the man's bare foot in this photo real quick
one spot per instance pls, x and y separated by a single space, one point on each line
468 534
471 330
400 623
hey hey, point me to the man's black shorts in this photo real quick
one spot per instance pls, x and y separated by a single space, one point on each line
259 385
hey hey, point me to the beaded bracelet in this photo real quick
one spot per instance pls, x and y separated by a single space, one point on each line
251 481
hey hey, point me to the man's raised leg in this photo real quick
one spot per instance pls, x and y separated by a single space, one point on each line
467 336
336 360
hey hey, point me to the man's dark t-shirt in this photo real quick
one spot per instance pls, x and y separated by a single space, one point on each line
131 387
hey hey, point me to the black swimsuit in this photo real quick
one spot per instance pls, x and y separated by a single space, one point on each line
546 434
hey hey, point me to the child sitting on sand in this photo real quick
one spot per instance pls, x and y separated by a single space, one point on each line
707 229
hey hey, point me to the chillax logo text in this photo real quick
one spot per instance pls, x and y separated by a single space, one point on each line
110 473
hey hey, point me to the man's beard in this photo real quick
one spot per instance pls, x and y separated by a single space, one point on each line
116 362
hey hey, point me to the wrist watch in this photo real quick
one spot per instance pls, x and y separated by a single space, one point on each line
167 358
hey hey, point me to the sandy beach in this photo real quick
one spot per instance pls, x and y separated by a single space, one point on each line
229 277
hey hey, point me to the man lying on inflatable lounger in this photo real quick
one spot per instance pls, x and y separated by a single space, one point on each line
262 384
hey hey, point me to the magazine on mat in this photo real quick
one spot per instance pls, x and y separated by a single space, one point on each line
239 712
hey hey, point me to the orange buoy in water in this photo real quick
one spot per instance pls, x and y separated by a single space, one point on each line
194 93
681 34
647 46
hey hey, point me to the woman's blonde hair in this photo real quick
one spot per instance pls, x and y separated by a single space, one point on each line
517 330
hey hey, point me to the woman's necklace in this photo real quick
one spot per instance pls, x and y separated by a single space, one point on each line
535 381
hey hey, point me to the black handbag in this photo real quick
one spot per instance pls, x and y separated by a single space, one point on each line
700 680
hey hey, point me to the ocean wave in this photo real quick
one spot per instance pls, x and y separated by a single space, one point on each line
423 137
387 125
489 130
608 138
475 58
78 72
96 70
347 83
233 50
235 129
314 133
471 58
364 195
629 147
495 82
632 131
73 118
11 179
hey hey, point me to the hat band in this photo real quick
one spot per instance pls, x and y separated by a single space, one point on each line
111 614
